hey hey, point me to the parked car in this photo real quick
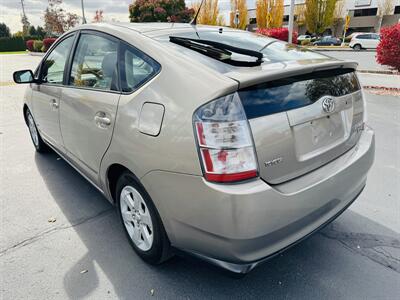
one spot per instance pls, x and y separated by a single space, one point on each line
328 41
365 41
303 38
202 142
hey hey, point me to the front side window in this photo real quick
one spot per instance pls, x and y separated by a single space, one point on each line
52 70
136 68
95 63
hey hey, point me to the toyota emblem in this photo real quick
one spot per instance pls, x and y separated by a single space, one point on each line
328 104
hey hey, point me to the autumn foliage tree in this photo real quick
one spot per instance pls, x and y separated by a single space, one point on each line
261 13
299 12
319 15
241 7
98 16
160 11
338 17
209 12
269 13
388 50
56 20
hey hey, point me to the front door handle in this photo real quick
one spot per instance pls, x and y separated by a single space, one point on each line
54 103
102 120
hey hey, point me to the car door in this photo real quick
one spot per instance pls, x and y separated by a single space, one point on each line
375 40
90 100
366 41
46 95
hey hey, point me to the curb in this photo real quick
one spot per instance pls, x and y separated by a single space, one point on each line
339 49
378 87
387 72
36 53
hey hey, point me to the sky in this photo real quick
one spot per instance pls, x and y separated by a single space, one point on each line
114 10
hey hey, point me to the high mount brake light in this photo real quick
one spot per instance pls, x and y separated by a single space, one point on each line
224 140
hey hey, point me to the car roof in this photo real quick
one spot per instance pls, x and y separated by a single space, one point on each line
150 29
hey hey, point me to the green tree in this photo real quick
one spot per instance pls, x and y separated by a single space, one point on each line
160 11
319 15
40 32
25 25
4 30
32 31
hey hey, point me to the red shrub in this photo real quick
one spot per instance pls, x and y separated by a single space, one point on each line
29 45
47 42
388 51
278 33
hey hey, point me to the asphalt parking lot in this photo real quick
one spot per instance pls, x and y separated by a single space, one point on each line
366 59
84 253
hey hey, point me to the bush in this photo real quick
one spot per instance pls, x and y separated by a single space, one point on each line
305 42
47 42
37 46
29 45
388 51
12 44
278 33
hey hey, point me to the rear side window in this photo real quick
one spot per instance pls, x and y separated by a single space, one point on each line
95 63
136 68
295 92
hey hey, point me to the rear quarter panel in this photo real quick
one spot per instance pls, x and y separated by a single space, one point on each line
181 87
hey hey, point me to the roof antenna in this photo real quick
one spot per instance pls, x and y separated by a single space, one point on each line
194 21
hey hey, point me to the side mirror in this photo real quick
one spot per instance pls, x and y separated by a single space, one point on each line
23 76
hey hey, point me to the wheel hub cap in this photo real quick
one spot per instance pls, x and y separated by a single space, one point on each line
33 130
136 216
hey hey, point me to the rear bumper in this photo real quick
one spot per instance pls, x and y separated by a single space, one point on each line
237 226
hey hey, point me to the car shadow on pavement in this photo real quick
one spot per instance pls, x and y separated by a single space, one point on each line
326 265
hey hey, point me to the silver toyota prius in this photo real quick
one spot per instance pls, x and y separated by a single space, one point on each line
220 143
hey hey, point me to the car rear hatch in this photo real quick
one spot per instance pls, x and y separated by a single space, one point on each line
304 108
303 121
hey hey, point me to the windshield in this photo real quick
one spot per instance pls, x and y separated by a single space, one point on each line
272 50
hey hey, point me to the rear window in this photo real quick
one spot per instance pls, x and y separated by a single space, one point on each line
295 92
273 50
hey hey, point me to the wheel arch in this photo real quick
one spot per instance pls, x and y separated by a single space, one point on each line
114 172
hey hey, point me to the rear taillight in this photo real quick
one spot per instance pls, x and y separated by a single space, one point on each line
224 140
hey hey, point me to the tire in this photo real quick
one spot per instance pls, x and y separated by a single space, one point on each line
141 221
37 140
357 47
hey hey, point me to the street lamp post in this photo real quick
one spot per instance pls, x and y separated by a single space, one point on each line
83 13
291 21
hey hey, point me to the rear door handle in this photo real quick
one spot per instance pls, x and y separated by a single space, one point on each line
54 103
102 120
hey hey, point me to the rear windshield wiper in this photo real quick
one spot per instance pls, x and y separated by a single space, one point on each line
219 51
